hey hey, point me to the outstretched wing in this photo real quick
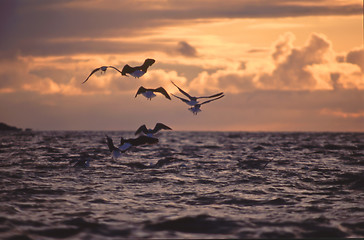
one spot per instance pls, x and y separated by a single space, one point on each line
212 96
110 144
115 69
127 69
141 140
211 100
143 129
183 92
140 90
147 63
184 100
163 91
95 70
160 126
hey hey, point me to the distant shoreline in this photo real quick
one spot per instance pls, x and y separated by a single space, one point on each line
6 127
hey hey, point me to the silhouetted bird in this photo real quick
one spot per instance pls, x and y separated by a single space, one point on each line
149 92
150 132
102 69
84 161
196 108
125 144
192 101
138 71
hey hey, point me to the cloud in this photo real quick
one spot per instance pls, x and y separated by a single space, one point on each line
283 47
292 72
341 114
43 47
186 49
313 66
79 27
356 56
223 80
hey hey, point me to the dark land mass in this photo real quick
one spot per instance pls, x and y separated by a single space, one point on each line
5 127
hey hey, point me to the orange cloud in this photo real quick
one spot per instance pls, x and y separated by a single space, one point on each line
341 114
309 67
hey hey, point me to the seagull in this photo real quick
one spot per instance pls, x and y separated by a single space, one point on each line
149 92
84 161
150 132
115 152
138 71
125 144
196 108
141 140
192 100
102 69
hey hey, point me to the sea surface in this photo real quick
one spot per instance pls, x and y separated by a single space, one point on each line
189 185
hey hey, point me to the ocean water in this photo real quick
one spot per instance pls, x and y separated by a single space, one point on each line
189 185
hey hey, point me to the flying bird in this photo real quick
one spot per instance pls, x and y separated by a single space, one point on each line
137 71
102 69
196 108
192 101
84 161
115 152
125 144
149 92
150 132
141 140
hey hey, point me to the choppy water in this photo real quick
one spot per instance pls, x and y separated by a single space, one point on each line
190 185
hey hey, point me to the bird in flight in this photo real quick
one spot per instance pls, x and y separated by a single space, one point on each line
149 92
83 161
192 101
137 71
102 69
196 108
125 144
150 132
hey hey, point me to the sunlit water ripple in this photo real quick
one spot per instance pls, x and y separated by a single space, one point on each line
190 185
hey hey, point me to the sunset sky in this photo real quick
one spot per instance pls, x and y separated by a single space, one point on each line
284 65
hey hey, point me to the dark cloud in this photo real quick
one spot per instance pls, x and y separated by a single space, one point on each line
243 65
27 25
335 81
68 48
186 49
356 57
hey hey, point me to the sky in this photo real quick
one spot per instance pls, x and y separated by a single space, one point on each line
283 65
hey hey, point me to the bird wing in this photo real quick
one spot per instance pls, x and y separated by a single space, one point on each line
127 69
160 126
142 128
141 140
212 96
211 100
125 147
147 63
163 91
186 94
95 70
115 68
110 144
140 90
184 100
